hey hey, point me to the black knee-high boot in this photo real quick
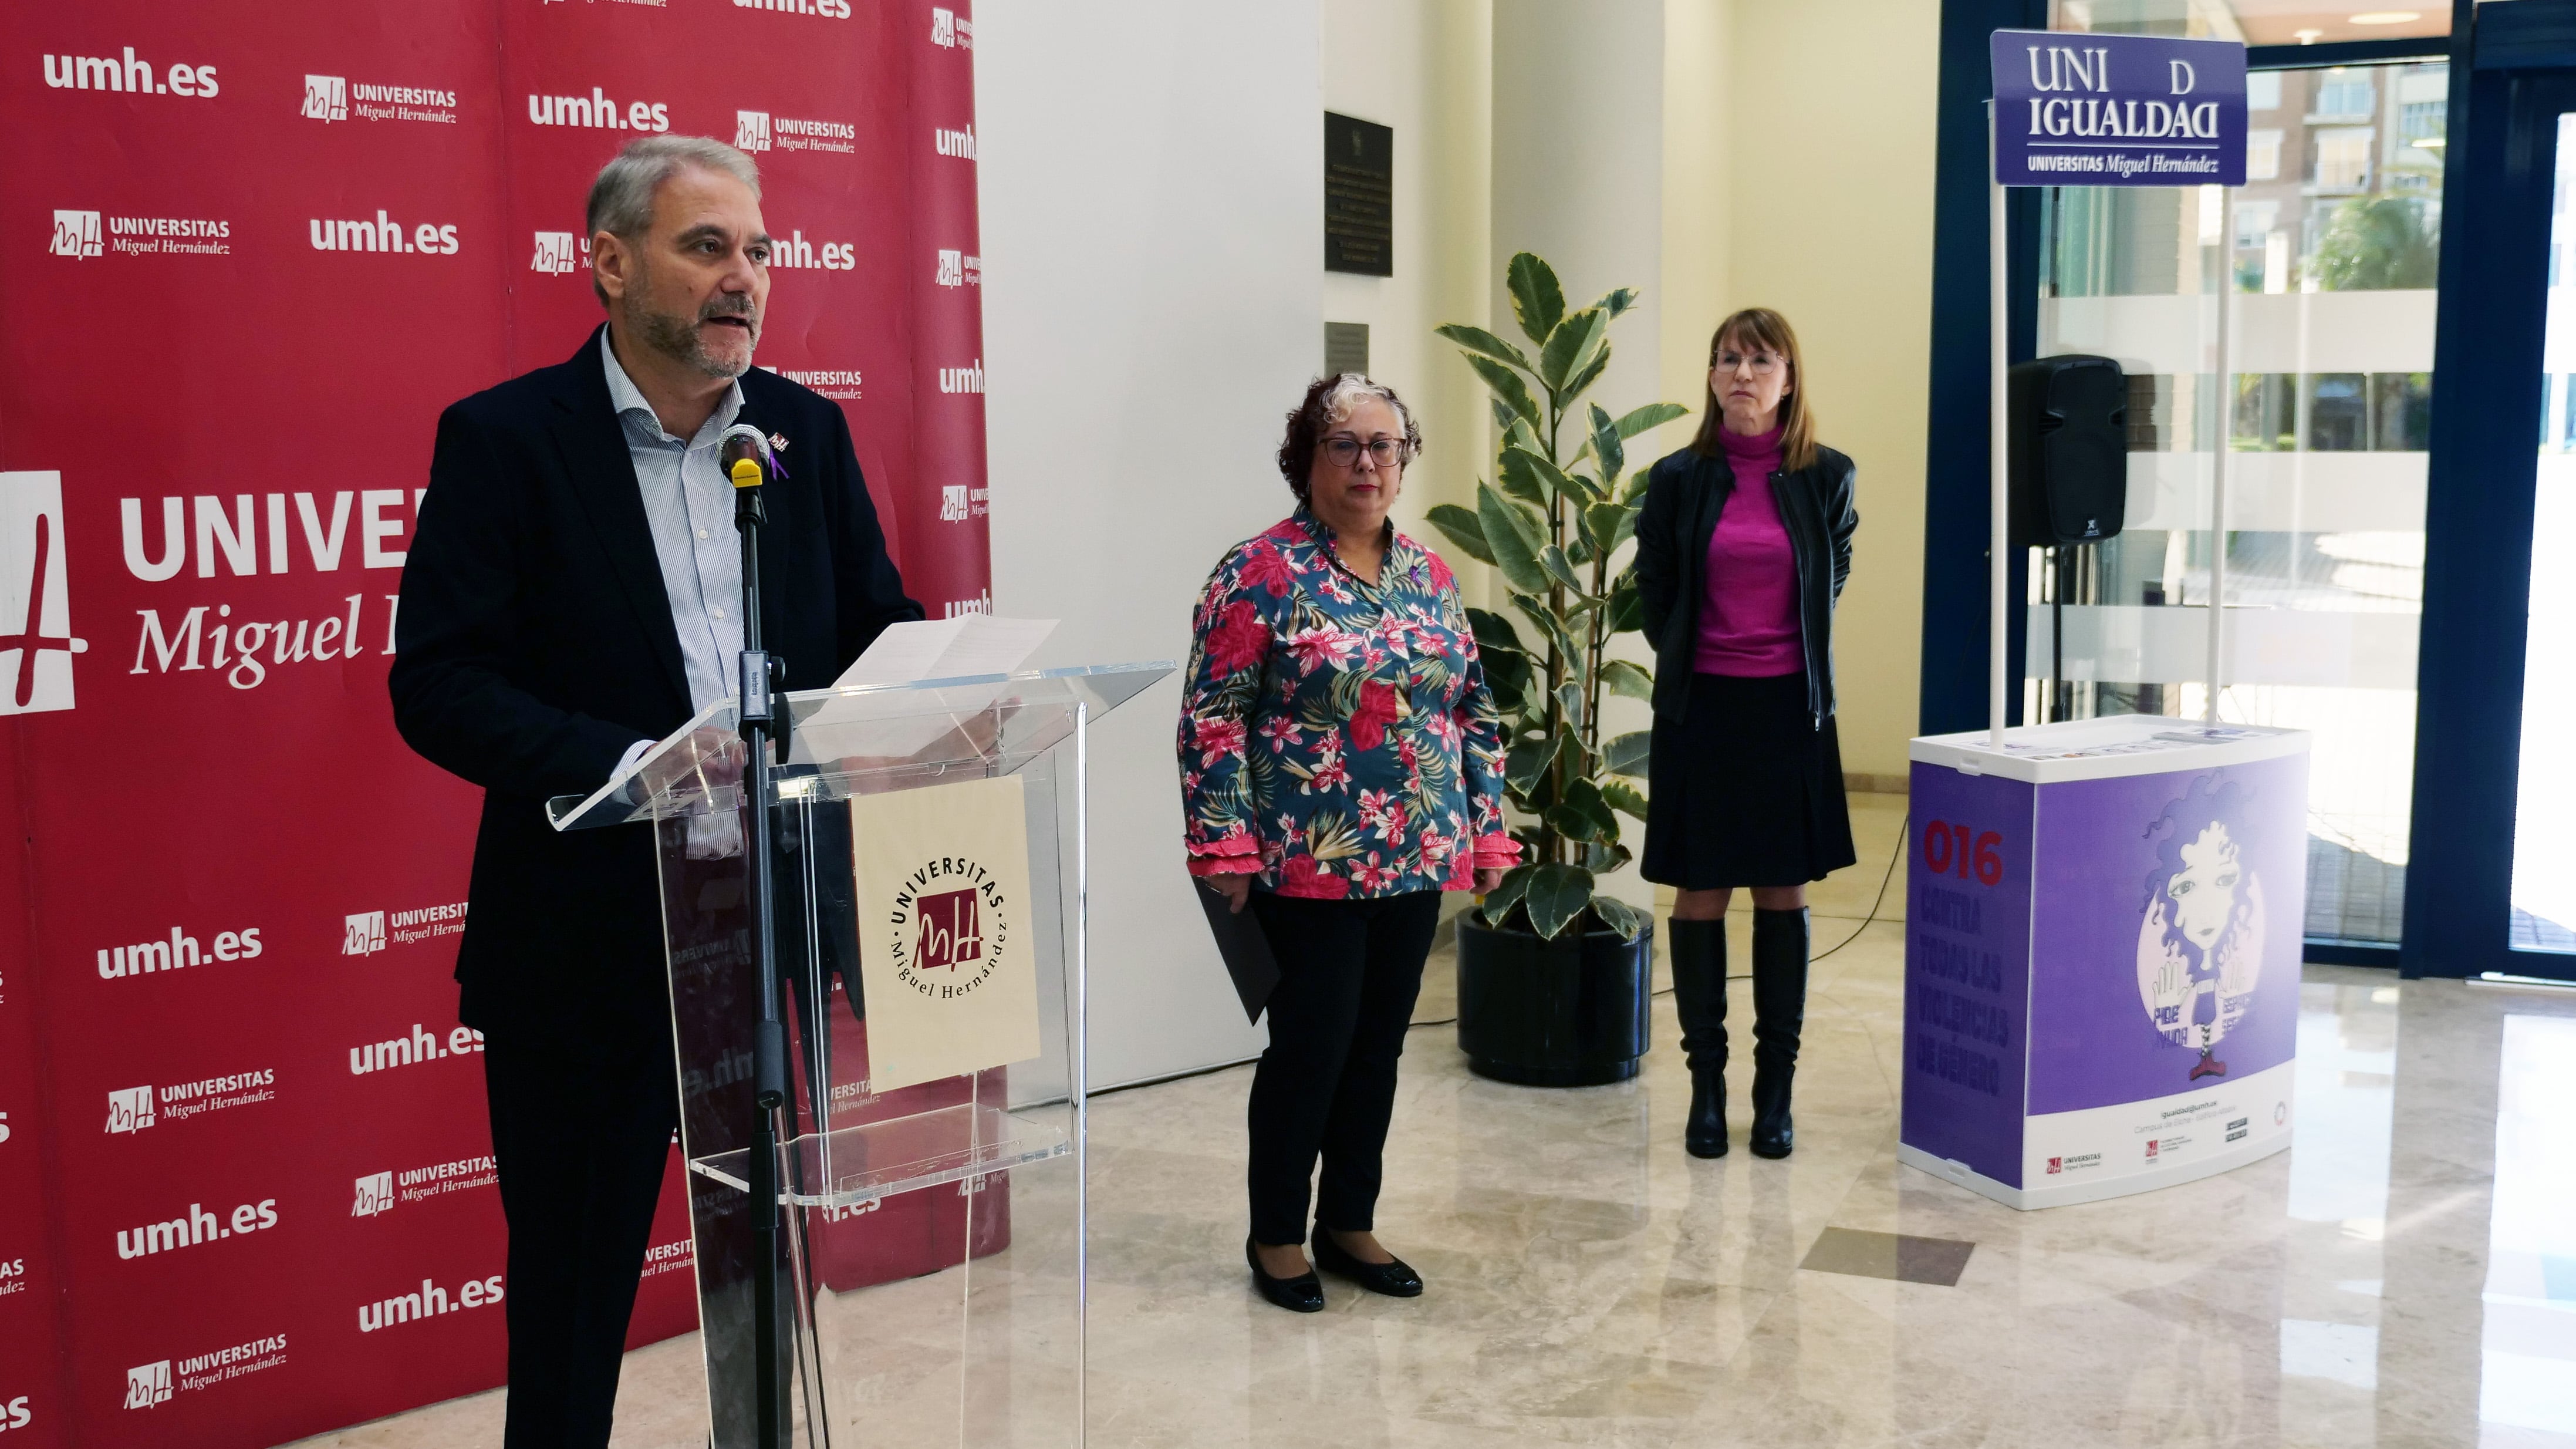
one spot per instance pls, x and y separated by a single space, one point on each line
1699 999
1779 1009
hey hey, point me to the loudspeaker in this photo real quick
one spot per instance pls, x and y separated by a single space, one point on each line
2070 450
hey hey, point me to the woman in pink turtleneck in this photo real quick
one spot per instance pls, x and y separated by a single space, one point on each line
1742 549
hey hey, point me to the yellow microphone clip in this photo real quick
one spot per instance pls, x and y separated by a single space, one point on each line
746 474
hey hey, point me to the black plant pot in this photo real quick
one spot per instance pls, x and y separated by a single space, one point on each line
1564 1013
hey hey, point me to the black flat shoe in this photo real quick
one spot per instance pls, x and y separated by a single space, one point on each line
1301 1294
1393 1279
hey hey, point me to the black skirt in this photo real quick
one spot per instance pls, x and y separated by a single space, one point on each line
1743 790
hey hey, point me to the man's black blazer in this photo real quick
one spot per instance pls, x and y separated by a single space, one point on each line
535 645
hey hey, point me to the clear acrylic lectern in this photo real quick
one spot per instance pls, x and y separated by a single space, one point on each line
928 913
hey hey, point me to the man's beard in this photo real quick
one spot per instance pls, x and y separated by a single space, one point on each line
680 337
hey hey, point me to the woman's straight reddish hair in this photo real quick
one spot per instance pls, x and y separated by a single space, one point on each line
1759 329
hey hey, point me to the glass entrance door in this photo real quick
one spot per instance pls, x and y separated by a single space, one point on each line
2490 855
2544 832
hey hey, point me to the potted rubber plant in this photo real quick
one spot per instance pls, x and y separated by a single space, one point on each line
1553 974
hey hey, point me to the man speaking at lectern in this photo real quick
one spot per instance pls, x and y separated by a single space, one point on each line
573 593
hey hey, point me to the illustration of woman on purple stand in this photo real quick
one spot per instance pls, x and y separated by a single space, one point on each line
2200 946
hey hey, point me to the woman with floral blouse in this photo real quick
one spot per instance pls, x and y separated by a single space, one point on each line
1341 766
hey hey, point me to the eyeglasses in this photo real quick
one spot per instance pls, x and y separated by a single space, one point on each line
1763 363
1344 450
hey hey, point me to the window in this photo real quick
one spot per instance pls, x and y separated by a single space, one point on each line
2342 94
2343 159
2325 419
2347 412
2421 121
2338 412
2255 220
2262 154
2401 411
2265 413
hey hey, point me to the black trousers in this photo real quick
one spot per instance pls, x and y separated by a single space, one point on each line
581 1146
1348 975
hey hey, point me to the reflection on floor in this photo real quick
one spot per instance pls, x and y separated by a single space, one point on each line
2406 1275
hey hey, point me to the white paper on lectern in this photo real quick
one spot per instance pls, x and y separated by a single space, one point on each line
903 653
968 645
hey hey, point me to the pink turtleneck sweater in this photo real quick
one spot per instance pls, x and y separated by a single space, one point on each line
1748 619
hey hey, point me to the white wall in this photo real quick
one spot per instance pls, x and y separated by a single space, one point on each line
1578 172
1424 67
1152 228
1830 212
1578 179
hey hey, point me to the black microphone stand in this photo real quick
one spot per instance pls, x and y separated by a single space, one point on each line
763 719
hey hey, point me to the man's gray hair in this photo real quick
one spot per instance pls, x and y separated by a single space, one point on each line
621 200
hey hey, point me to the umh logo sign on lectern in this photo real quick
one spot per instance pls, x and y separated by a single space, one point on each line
952 932
36 643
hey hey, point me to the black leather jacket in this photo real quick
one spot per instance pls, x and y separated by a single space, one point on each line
1684 494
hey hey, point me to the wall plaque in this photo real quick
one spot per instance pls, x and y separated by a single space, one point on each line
1359 196
1345 348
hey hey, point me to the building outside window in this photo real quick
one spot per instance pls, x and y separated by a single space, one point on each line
2332 263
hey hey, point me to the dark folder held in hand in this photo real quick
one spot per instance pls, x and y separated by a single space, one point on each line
1245 947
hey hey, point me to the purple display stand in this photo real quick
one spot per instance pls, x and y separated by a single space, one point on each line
2104 921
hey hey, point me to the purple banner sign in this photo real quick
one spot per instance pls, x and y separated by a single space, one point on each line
2074 109
1967 969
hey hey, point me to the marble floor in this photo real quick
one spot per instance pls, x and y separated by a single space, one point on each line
2405 1275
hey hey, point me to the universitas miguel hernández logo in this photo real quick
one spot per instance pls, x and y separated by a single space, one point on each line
2200 941
950 927
36 643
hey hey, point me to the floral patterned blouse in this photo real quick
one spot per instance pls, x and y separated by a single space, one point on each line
1337 738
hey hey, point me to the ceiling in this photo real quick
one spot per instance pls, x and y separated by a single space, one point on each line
2260 22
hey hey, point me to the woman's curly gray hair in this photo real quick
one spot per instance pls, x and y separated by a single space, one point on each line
1329 400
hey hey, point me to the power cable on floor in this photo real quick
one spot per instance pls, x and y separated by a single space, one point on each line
1884 879
1903 830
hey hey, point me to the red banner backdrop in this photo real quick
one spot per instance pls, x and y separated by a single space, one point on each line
250 252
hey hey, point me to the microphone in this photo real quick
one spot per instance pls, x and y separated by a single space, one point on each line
744 453
748 463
